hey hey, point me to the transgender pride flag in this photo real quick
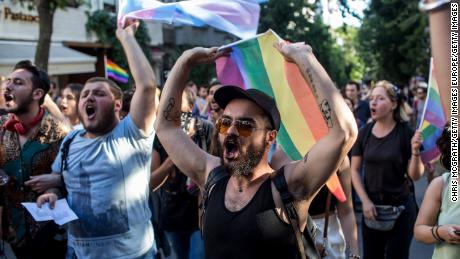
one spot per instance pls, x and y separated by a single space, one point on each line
238 17
433 119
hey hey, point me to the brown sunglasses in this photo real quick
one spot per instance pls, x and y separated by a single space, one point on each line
244 128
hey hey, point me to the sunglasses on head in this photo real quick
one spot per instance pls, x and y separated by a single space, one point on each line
244 127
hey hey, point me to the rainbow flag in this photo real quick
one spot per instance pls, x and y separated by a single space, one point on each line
433 119
255 63
116 72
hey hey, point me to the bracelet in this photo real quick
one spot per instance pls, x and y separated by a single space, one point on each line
416 154
434 235
351 255
437 234
427 7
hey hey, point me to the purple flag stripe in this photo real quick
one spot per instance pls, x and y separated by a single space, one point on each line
429 155
118 78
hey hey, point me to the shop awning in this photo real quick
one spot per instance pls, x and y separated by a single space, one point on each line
62 60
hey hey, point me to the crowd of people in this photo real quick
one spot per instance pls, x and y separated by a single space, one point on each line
197 170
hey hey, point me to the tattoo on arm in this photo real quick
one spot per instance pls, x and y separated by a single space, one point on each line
169 114
305 158
313 86
325 108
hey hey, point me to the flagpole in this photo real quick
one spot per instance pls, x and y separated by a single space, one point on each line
430 81
105 66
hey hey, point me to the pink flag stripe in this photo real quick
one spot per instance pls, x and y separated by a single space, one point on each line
238 17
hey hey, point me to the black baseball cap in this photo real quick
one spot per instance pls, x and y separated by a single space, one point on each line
227 93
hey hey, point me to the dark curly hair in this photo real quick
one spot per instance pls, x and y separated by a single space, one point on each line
40 79
443 144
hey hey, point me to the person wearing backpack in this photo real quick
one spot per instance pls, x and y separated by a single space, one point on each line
244 213
389 151
106 166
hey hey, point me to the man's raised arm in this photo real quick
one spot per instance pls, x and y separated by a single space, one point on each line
326 155
142 108
187 156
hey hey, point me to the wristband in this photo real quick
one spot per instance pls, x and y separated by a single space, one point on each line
428 7
434 235
437 234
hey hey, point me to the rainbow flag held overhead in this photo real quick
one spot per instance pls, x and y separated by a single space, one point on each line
116 72
255 63
433 119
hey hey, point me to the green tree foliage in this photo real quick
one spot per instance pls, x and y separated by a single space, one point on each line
354 66
104 25
295 20
394 40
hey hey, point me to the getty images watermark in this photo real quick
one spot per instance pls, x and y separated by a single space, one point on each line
454 100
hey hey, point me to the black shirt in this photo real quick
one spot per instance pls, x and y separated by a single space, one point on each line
318 204
385 161
362 112
178 205
178 210
256 231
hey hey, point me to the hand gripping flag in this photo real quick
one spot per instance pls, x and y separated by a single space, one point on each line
238 17
255 63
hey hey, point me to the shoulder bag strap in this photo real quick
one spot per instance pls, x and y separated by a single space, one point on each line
326 214
288 202
326 224
65 150
214 176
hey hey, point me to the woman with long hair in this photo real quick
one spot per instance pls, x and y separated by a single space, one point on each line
438 221
389 152
69 104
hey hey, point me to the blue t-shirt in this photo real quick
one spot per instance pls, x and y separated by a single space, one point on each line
107 181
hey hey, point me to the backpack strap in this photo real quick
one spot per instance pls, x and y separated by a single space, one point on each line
216 174
64 154
279 181
65 150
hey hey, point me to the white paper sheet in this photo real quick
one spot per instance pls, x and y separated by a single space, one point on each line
61 214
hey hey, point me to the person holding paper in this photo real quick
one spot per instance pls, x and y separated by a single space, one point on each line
106 166
29 141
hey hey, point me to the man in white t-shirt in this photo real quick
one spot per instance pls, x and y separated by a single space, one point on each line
106 170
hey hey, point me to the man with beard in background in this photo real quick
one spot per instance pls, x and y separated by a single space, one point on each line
29 142
244 213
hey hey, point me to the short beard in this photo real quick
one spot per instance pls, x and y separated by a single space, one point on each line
244 165
23 107
105 125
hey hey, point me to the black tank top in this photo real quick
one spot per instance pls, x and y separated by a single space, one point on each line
256 231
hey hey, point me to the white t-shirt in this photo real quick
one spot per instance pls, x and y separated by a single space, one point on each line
107 181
